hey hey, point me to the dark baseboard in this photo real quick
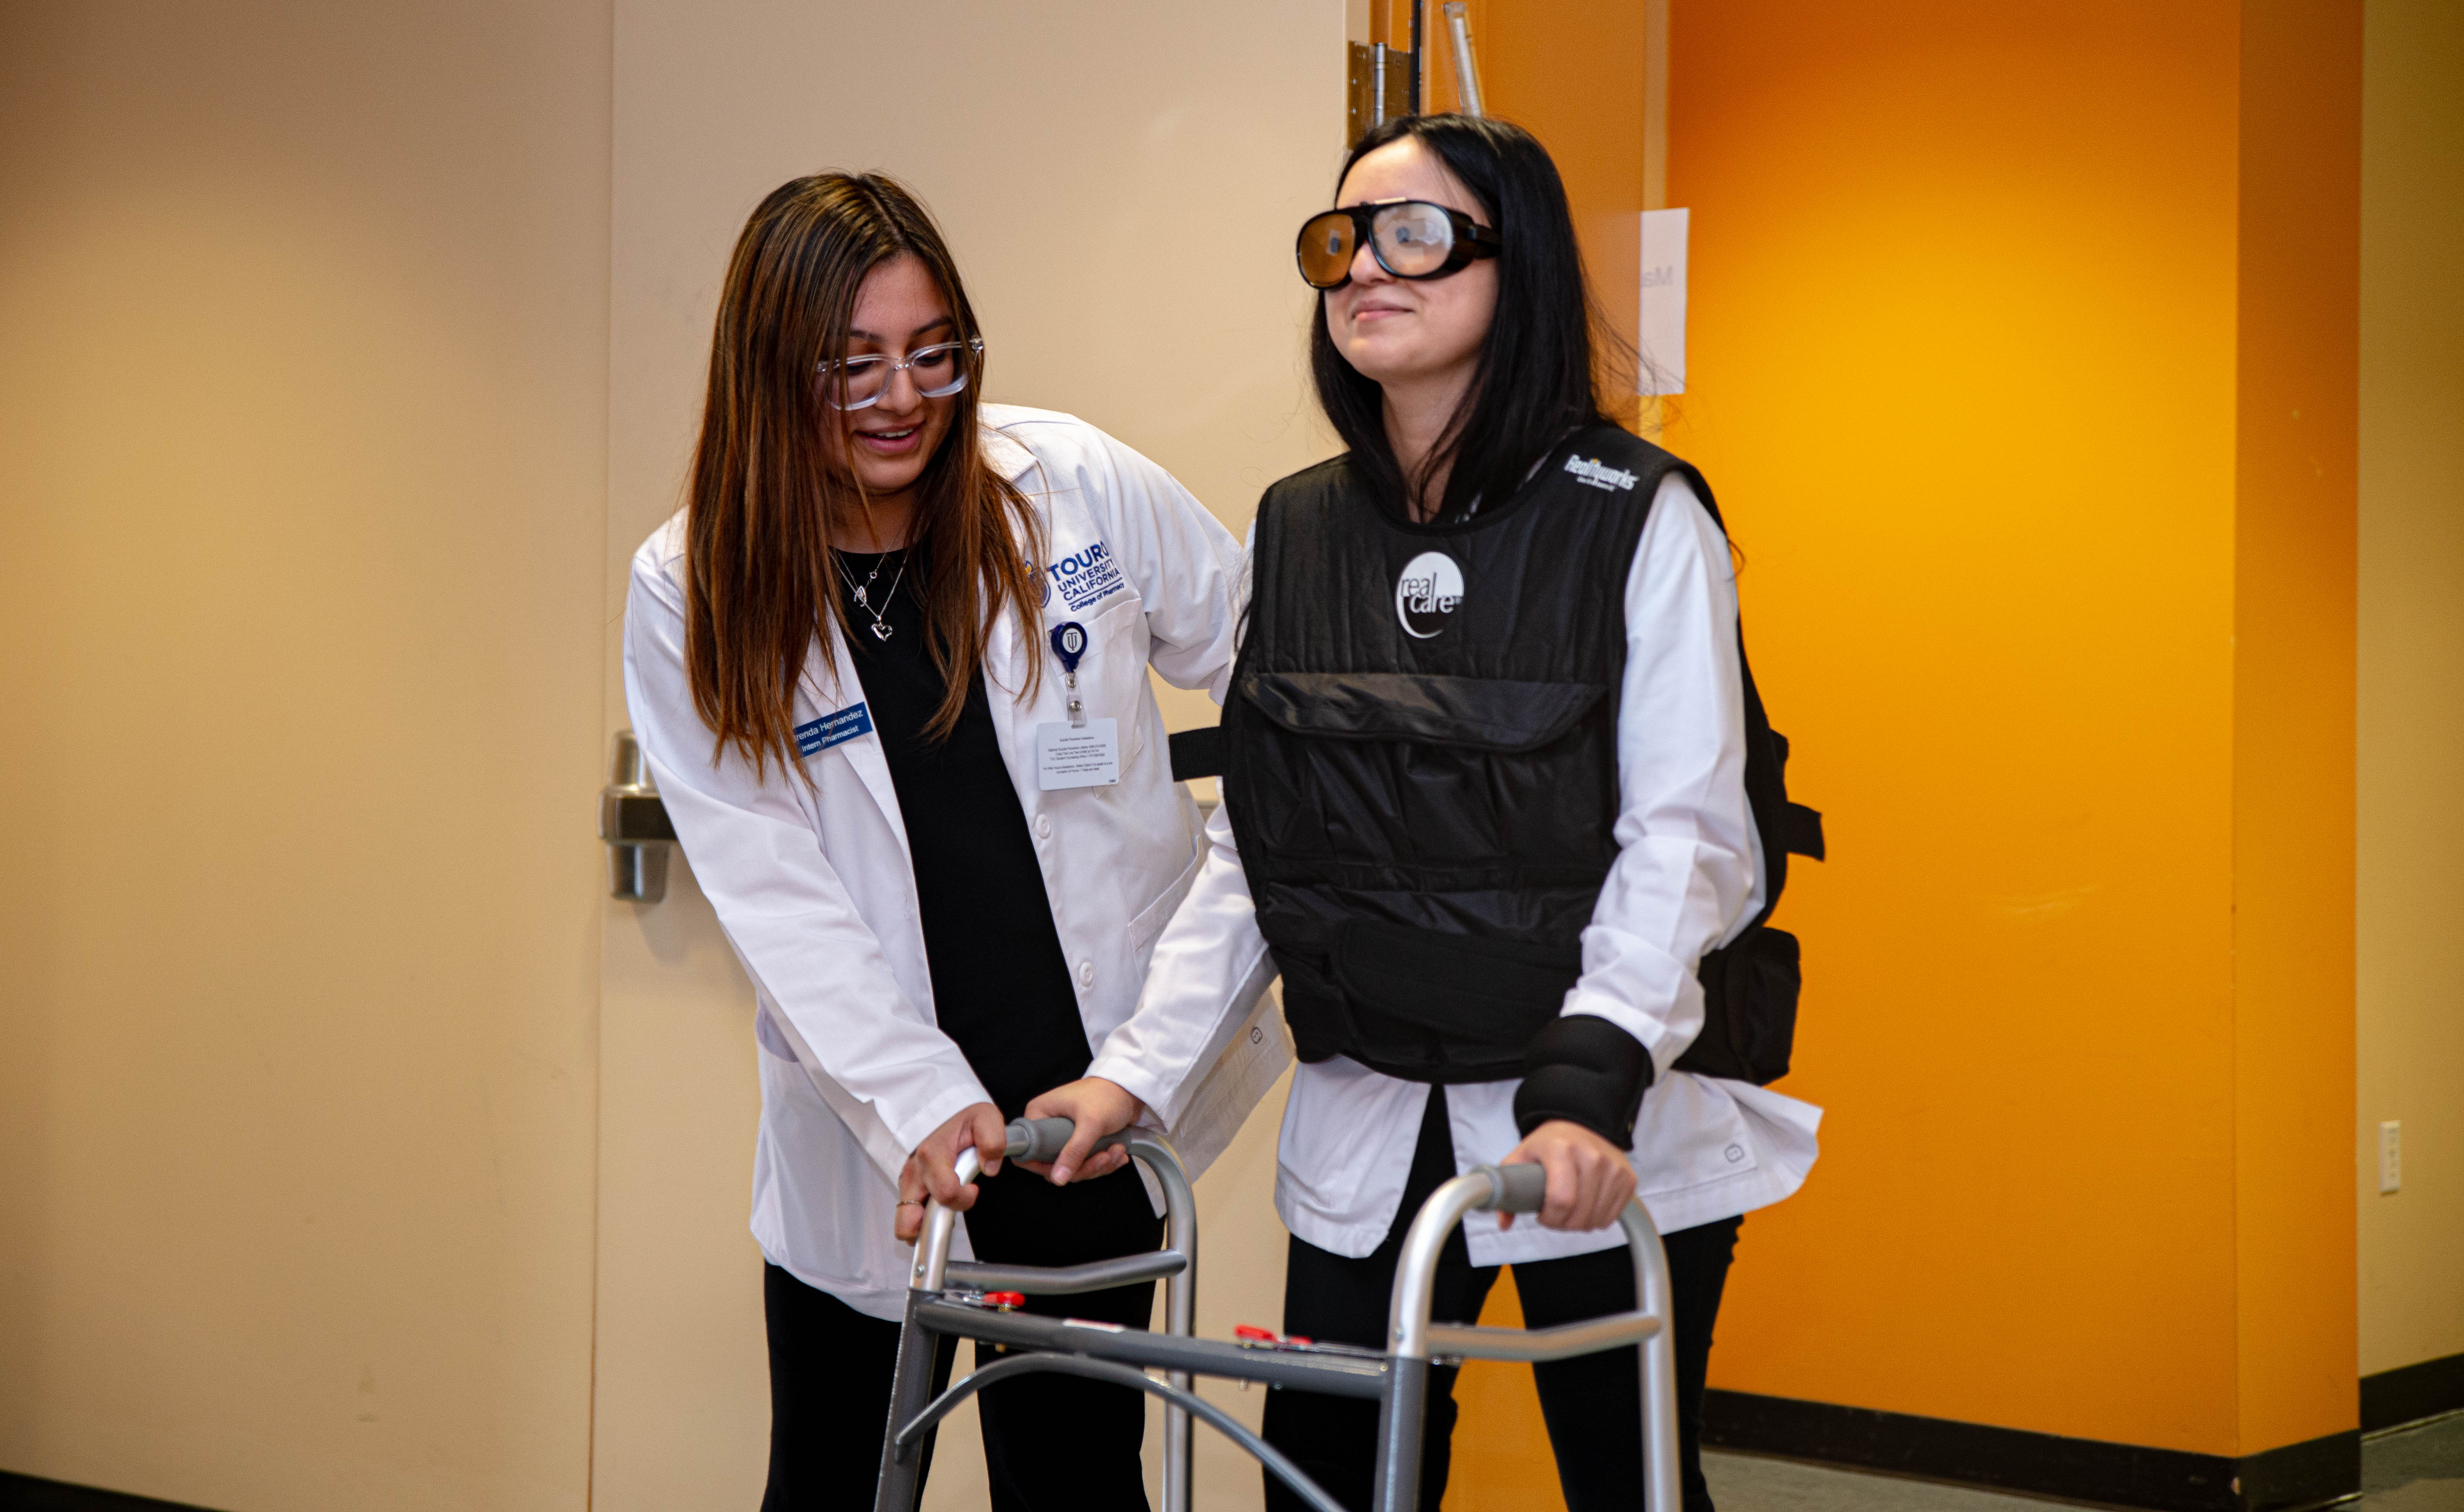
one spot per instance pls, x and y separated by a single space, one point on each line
2296 1476
2431 1389
2311 1473
28 1494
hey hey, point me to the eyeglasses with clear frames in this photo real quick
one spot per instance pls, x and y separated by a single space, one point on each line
937 371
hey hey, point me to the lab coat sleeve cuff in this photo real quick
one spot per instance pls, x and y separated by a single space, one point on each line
1151 1090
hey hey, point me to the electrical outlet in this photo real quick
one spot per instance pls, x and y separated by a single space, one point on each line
2390 1156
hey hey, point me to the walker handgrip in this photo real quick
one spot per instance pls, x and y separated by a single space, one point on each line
1044 1139
1515 1189
1038 1138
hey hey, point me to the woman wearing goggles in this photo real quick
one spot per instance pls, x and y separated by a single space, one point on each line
1489 899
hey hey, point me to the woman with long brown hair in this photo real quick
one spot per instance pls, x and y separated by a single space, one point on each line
889 667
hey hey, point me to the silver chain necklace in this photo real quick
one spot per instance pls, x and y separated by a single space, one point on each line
862 591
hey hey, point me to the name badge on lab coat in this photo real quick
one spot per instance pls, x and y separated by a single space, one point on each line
1077 755
817 736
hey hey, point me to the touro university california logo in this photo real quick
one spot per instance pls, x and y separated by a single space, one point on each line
1427 592
1087 575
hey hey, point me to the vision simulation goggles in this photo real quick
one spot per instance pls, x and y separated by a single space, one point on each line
1410 239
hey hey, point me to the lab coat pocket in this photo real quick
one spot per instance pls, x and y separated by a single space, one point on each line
1147 925
1115 671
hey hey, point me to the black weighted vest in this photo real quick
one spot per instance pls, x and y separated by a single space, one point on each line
1422 765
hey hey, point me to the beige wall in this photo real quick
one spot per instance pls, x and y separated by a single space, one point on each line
305 429
2412 777
302 440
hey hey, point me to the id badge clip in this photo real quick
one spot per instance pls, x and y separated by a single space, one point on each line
1069 643
1083 753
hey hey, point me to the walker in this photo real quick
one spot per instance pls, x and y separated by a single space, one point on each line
949 1298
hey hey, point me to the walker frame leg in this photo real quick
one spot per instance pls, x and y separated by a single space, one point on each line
1402 1422
1662 1489
911 1389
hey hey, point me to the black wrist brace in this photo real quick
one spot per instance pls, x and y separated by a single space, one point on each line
1586 1070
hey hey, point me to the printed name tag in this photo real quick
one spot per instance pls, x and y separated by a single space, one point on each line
833 729
1074 756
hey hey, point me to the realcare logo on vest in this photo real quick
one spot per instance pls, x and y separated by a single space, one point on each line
1600 476
1086 576
1427 592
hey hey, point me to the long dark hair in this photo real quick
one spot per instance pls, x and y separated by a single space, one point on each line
766 504
1541 371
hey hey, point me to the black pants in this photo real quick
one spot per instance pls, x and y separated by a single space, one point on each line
1051 1441
1591 1403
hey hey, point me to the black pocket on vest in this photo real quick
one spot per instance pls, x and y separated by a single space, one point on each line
1749 989
1471 1003
1482 713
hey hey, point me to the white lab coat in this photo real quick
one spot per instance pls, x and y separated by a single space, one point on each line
1687 877
814 886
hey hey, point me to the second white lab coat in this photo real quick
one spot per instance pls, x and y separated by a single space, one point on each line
817 893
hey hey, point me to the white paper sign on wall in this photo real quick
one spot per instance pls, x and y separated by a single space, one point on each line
1663 302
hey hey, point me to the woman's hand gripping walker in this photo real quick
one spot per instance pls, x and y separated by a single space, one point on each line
967 1301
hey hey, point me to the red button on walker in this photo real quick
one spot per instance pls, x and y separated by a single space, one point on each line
1005 1300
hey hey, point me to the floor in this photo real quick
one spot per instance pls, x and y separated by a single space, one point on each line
2416 1469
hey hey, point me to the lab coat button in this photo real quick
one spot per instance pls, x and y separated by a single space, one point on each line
1044 826
1086 973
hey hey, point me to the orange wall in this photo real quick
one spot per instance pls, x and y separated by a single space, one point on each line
1961 366
2297 578
1995 420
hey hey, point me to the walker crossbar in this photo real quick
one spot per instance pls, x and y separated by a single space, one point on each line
1064 1280
1266 1454
1537 1346
1397 1379
1336 1374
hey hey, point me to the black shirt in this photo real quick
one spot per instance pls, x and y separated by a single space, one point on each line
1000 981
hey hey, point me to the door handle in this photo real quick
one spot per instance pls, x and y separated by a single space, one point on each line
634 824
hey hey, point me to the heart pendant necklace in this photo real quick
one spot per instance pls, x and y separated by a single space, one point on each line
862 592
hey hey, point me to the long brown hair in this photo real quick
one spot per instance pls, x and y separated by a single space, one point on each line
766 504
